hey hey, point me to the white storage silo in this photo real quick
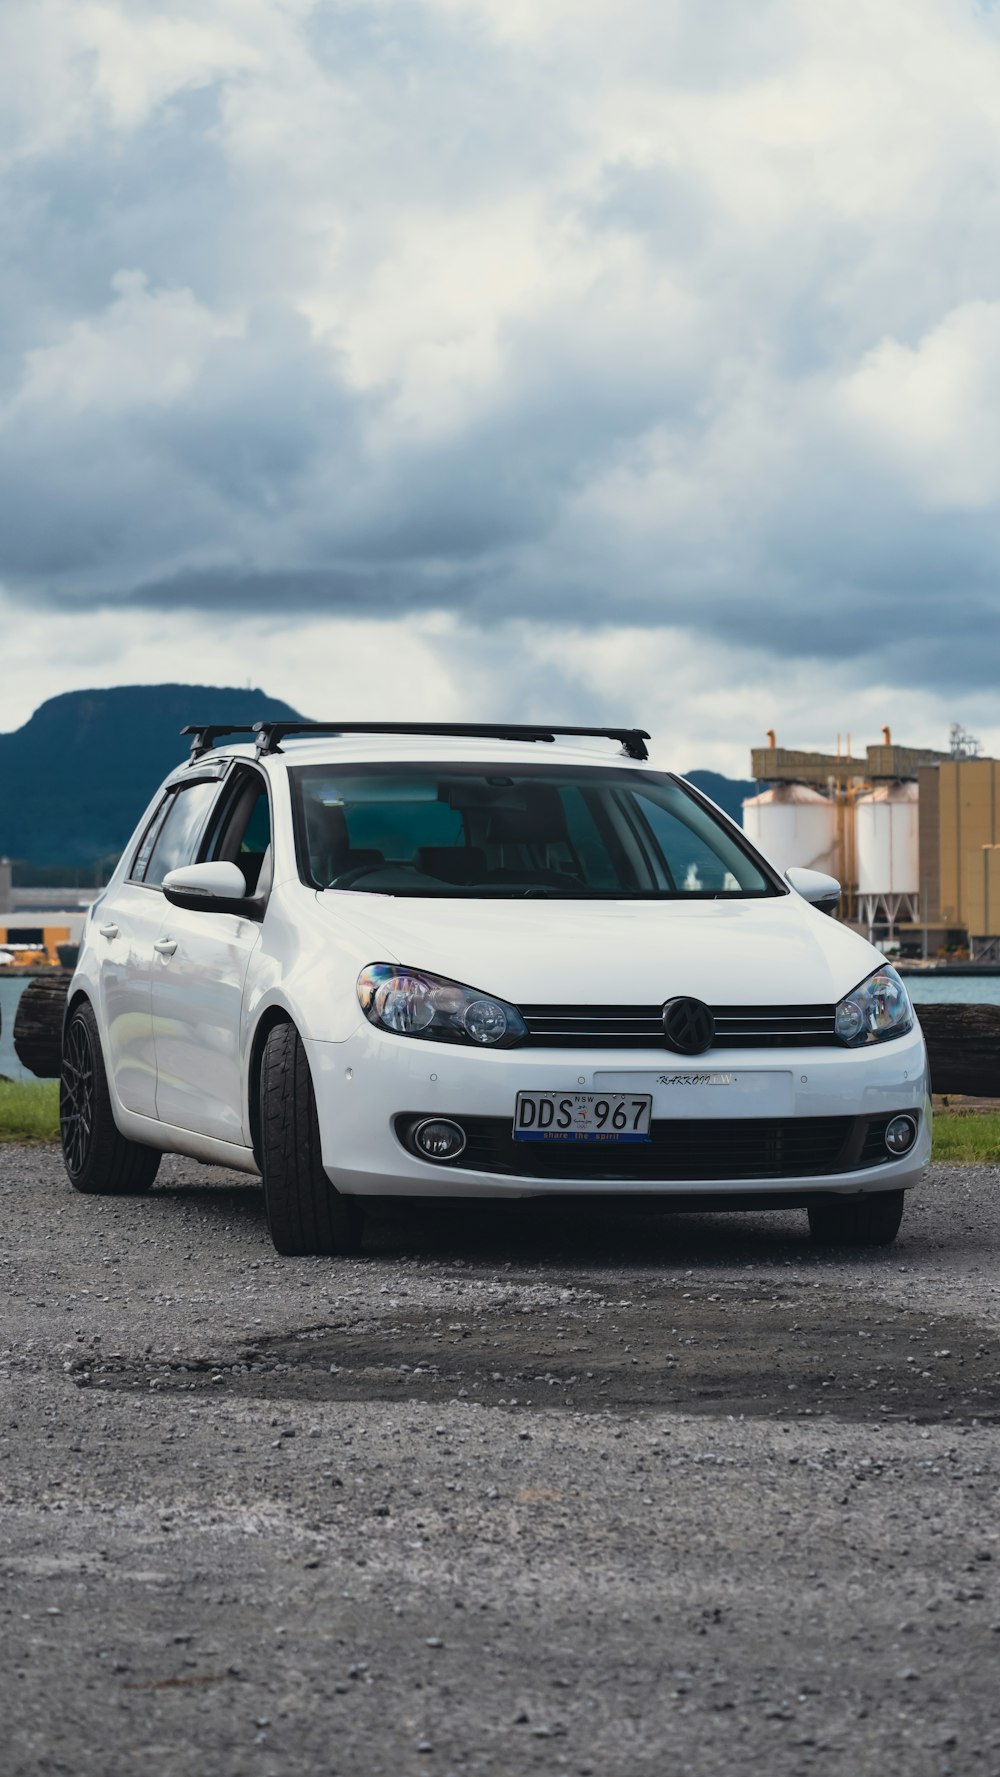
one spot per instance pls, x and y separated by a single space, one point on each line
886 838
793 824
886 835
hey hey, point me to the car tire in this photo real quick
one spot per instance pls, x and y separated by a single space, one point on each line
871 1220
99 1160
306 1216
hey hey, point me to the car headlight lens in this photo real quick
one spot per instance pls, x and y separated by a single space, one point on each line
404 1005
876 1011
411 1003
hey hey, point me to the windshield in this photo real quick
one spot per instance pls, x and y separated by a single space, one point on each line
473 832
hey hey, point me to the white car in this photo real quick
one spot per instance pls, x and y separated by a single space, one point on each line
470 961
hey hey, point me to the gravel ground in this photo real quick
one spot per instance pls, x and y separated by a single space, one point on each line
517 1490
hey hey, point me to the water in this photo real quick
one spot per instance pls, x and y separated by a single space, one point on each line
10 992
955 989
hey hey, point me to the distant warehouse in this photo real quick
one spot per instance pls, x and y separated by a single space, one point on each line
913 836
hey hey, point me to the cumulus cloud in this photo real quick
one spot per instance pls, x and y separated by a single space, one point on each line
497 320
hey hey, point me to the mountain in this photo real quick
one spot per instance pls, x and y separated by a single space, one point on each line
728 792
75 779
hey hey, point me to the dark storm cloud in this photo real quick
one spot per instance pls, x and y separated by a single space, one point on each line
303 592
385 309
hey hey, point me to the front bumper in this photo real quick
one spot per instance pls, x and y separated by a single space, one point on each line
366 1083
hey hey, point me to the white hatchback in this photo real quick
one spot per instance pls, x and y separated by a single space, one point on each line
464 961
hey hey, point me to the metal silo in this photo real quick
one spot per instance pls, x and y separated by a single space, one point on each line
886 837
793 824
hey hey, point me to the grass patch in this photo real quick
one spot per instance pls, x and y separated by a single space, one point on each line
29 1110
967 1135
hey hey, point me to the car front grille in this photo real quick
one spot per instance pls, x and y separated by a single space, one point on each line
682 1149
641 1027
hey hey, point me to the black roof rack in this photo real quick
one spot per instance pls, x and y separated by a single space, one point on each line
271 734
206 737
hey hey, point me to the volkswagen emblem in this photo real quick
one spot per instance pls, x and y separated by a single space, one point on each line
688 1026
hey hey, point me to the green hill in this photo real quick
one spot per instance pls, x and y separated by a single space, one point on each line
75 779
728 792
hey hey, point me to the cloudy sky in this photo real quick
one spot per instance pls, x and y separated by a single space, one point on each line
594 359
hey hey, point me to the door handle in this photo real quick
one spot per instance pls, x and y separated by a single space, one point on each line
166 946
108 931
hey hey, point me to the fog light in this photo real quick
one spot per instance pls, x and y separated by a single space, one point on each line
438 1139
901 1134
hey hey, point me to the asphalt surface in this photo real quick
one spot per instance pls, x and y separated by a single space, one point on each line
514 1491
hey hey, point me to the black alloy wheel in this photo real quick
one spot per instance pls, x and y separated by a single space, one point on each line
76 1097
99 1160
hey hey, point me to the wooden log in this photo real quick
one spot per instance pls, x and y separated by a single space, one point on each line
963 1047
38 1024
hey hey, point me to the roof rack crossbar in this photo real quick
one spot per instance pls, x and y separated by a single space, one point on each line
206 736
271 734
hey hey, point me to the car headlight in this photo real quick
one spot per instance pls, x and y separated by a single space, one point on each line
411 1003
876 1011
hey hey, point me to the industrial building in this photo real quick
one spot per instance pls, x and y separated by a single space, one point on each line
913 836
960 850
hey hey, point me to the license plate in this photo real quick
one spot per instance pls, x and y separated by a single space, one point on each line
582 1116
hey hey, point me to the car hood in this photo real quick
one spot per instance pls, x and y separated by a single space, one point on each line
777 951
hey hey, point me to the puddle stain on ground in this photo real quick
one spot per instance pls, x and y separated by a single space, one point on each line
715 1349
175 1684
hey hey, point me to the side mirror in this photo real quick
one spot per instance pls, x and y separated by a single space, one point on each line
822 891
209 888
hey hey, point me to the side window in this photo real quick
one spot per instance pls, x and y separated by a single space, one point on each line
243 834
176 842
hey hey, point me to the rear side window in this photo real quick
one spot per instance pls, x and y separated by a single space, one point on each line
142 856
175 835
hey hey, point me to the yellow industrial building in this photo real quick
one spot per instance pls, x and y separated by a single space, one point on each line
912 834
959 803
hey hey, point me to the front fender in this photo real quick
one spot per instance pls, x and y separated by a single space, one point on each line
305 970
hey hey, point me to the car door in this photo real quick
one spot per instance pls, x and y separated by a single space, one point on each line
128 924
199 973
